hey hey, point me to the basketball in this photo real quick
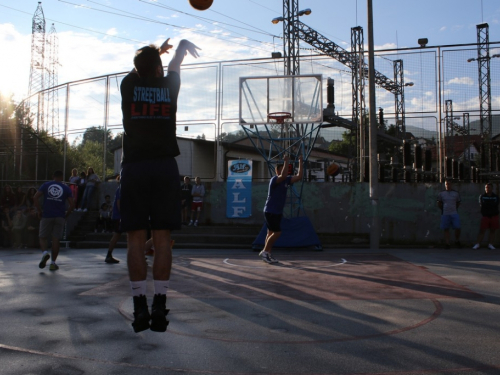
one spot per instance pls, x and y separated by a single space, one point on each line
333 169
201 4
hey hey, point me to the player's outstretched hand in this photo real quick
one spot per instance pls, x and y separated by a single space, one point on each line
286 158
301 159
190 47
165 46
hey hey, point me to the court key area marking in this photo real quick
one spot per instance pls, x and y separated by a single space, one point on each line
285 266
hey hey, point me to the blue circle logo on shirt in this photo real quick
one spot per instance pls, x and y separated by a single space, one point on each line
55 191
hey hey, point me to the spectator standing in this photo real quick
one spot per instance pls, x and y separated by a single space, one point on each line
30 195
8 199
198 192
489 210
18 229
32 228
53 217
20 198
186 199
103 222
92 181
115 224
73 183
6 228
82 182
448 201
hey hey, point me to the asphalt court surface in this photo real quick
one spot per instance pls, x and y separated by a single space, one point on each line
330 312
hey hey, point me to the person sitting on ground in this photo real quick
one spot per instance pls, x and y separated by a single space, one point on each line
18 227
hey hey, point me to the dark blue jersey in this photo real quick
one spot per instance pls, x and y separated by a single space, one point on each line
55 195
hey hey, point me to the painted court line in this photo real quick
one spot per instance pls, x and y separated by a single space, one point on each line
286 267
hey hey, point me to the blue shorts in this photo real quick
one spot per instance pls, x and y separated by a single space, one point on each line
150 195
450 221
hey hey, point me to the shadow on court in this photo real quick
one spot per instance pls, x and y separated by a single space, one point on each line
334 312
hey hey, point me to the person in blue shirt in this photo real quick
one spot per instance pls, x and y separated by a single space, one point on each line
275 203
53 215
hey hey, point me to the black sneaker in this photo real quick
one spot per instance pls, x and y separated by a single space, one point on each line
111 260
458 244
447 246
44 260
159 312
141 314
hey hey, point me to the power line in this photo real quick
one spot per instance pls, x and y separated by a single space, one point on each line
172 25
254 29
77 27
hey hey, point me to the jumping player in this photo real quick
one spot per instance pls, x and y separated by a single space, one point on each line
149 106
275 203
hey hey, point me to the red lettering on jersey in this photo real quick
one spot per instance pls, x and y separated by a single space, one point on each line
144 109
153 108
165 110
133 112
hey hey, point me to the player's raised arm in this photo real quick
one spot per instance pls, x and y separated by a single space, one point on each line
300 172
284 170
183 48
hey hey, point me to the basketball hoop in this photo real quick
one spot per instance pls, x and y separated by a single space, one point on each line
279 117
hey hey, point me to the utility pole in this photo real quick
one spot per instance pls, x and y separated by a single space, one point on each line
374 229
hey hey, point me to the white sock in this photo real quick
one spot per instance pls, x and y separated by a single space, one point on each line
138 288
53 262
45 252
161 286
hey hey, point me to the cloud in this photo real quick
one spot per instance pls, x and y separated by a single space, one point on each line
112 31
442 28
461 81
14 74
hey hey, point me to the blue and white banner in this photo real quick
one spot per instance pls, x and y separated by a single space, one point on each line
239 189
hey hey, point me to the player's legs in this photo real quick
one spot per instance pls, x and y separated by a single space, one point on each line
270 240
137 267
162 264
114 240
46 227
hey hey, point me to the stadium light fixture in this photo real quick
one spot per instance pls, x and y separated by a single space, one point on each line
304 12
409 84
423 42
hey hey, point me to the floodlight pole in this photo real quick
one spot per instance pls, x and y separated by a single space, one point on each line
374 229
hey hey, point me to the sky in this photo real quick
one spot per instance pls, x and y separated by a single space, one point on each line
98 37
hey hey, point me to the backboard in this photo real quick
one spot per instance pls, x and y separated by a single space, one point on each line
300 95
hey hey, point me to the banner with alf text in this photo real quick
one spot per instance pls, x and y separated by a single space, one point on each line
239 189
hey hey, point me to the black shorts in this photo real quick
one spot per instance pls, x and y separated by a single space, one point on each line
273 221
116 225
186 204
150 195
